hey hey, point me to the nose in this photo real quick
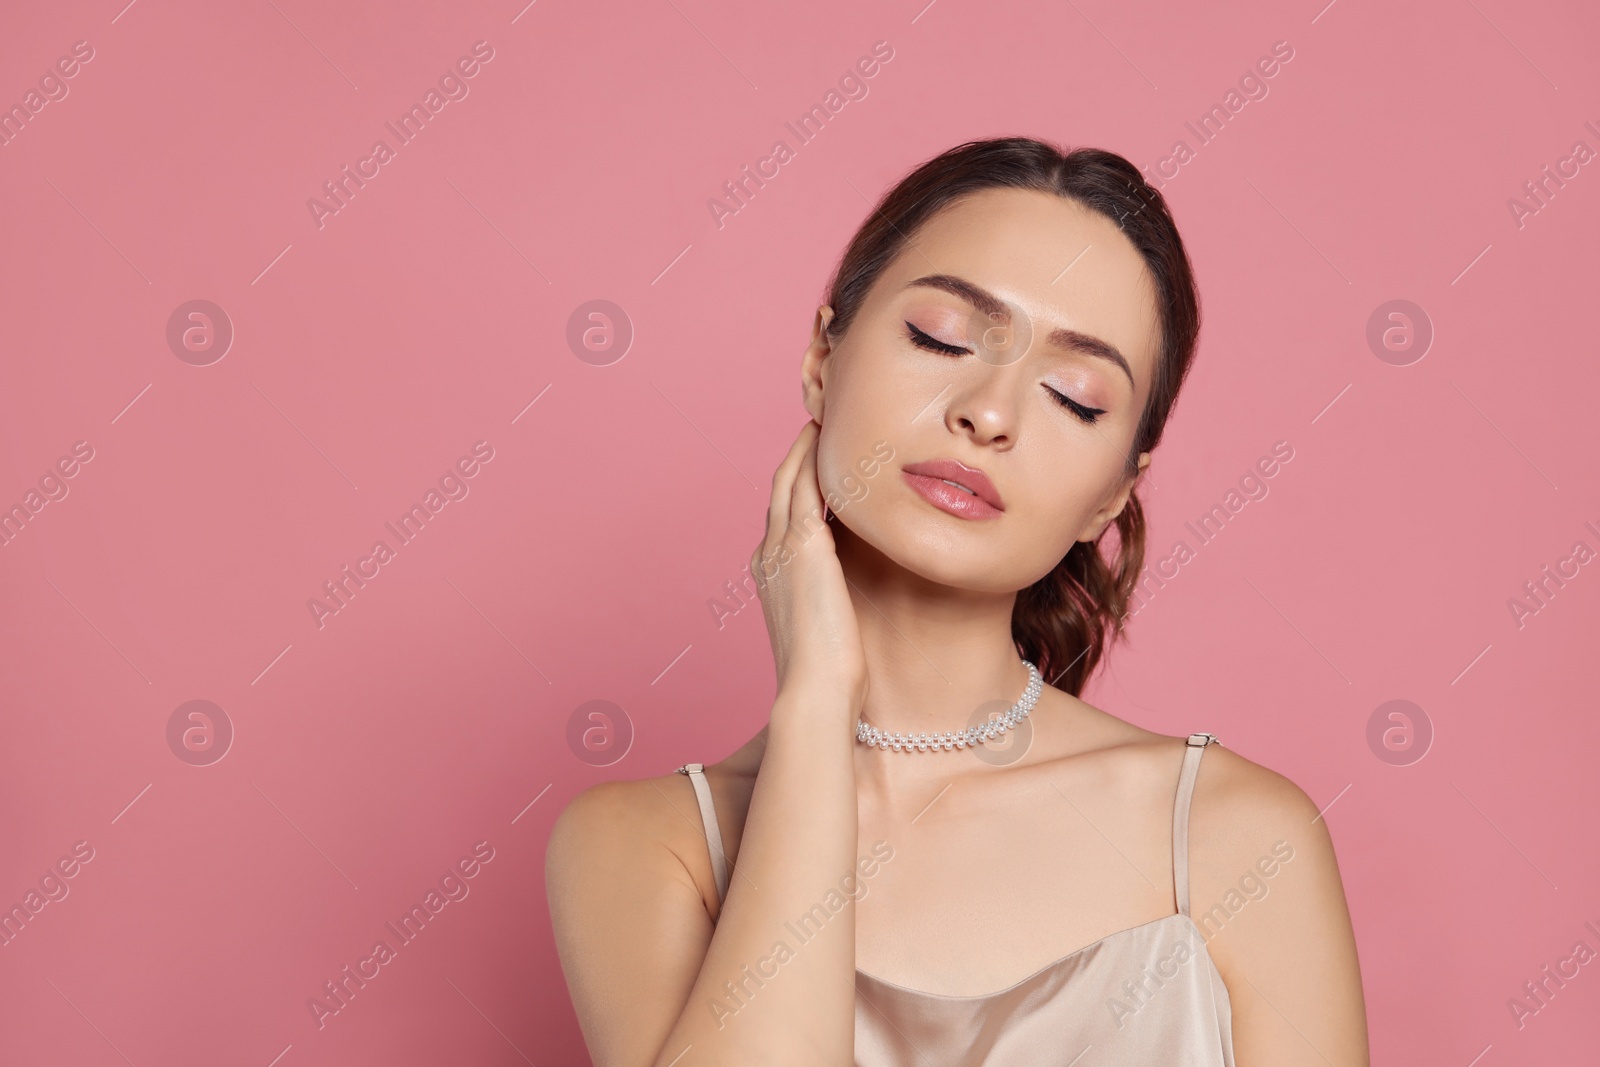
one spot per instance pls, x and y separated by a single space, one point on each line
985 404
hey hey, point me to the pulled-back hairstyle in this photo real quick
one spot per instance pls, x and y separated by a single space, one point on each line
1064 623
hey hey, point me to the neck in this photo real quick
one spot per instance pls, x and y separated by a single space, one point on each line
938 658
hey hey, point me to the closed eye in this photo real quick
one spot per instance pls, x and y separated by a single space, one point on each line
933 344
1087 414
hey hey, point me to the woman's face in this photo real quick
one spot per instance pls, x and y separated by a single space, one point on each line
1002 305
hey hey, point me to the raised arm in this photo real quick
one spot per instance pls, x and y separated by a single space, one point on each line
654 983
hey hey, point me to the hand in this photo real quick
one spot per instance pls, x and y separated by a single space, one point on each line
811 621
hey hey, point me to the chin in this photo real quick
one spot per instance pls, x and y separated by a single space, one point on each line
941 551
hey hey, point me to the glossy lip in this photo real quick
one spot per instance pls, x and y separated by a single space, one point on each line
928 479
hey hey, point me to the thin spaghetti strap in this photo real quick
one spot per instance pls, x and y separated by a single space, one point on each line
708 818
1180 816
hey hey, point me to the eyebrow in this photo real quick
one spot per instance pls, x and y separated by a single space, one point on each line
994 307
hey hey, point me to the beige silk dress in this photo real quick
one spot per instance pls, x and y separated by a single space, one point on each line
1146 995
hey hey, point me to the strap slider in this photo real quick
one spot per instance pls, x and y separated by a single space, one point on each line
1202 739
691 768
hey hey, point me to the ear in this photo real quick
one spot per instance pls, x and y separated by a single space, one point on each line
814 364
1108 514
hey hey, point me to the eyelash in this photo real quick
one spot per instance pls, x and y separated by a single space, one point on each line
922 340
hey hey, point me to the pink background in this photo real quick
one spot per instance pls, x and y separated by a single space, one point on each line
431 712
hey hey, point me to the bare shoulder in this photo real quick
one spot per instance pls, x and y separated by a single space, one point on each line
1111 752
629 909
1232 789
649 827
1237 798
617 824
1267 896
1234 797
628 918
1247 825
1239 812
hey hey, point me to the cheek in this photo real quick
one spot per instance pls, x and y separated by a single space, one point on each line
862 401
833 458
1059 514
1045 541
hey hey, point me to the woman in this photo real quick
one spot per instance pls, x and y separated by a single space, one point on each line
1000 349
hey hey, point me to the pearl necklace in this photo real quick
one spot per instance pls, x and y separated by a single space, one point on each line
956 739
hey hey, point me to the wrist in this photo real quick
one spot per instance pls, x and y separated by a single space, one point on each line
814 706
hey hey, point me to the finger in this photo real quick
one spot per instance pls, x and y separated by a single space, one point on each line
783 480
805 507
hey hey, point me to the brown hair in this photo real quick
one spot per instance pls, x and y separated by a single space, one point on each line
1064 622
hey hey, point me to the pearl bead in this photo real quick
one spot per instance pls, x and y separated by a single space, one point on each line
956 739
